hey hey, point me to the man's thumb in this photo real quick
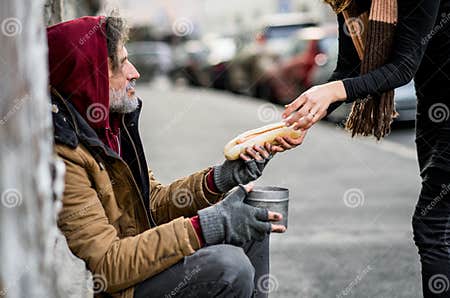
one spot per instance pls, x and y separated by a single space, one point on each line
249 187
241 192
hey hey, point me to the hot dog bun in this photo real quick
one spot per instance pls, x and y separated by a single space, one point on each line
258 136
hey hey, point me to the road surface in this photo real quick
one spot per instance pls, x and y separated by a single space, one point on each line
351 199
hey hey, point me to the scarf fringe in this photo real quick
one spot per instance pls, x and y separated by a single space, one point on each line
374 115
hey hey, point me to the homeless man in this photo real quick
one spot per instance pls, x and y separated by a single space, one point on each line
126 226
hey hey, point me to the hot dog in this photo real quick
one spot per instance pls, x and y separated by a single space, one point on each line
259 136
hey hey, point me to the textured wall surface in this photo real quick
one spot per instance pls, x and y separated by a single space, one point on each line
34 257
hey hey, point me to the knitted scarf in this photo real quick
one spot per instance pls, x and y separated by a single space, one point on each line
373 37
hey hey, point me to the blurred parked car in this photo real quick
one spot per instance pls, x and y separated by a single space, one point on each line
191 64
282 26
203 63
252 61
151 58
310 58
221 51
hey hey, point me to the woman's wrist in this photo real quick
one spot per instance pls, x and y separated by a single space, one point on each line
340 94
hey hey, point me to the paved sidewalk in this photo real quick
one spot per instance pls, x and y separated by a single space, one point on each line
351 200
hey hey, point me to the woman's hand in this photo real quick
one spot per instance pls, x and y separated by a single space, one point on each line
312 105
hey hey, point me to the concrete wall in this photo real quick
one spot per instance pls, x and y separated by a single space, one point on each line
34 257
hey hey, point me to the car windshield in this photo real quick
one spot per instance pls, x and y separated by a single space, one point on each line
275 32
296 46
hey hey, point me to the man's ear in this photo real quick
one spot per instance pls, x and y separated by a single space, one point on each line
110 68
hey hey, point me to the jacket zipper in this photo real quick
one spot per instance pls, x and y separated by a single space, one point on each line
129 170
141 198
130 175
140 171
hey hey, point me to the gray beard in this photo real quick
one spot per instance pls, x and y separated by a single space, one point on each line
121 103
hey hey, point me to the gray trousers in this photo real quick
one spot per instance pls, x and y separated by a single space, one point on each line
213 271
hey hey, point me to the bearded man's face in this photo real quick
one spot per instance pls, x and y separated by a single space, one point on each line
122 83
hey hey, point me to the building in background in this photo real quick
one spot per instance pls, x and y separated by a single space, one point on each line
206 16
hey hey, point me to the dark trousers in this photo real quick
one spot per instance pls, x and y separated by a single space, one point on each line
432 232
213 271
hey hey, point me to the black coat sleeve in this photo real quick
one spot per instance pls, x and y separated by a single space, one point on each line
415 24
348 63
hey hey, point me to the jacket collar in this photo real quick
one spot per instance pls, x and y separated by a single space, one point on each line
71 129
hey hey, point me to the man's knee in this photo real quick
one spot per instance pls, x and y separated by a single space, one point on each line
233 267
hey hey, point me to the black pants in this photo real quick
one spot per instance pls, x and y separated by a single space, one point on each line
431 223
214 271
431 220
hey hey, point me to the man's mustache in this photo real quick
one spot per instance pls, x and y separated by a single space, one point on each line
127 91
131 85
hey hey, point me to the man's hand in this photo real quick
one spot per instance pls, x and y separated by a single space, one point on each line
287 143
234 222
273 216
312 105
257 153
244 170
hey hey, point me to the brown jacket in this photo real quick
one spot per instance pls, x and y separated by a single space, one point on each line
104 216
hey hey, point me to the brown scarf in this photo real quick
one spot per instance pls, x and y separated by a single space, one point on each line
373 36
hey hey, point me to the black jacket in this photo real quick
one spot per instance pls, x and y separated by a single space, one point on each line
421 52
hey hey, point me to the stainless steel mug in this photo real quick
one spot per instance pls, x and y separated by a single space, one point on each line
271 197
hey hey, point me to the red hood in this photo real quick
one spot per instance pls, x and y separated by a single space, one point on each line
78 62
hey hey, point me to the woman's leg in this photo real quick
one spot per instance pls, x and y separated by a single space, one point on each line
431 232
213 271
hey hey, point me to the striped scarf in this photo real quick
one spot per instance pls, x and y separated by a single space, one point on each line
373 37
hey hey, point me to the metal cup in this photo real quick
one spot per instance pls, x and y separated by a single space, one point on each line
274 198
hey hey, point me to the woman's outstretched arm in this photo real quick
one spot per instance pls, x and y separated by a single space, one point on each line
415 24
416 21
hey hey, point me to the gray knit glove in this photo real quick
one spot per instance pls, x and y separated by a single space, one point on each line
232 173
233 221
